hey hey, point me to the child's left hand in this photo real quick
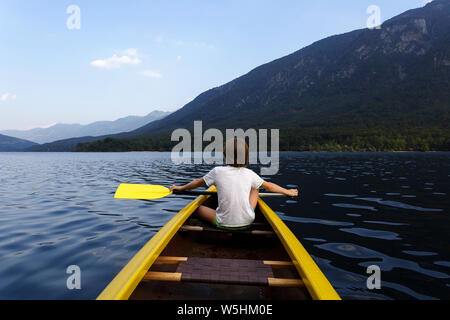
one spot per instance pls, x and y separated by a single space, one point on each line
292 193
176 188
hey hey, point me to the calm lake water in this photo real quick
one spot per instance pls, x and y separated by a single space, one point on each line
355 210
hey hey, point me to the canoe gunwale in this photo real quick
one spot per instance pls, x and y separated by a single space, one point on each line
315 281
124 284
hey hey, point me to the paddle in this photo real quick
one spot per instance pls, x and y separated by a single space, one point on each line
152 192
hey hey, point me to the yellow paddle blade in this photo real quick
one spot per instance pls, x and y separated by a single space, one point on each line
141 192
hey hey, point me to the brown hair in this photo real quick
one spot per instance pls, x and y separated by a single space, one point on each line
240 154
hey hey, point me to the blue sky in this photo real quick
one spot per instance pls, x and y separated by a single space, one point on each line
132 57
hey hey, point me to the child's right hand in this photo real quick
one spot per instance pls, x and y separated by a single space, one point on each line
292 193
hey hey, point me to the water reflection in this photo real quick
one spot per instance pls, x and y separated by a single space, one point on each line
355 210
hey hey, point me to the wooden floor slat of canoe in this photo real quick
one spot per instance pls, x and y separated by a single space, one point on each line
226 271
175 260
178 277
201 229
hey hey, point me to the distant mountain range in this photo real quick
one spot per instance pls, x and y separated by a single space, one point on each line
368 90
100 128
10 144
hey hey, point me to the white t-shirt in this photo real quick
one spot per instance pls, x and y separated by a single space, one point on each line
233 191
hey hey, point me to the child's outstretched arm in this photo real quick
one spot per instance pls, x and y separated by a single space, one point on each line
272 187
191 185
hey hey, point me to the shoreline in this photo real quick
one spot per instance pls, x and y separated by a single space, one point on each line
168 151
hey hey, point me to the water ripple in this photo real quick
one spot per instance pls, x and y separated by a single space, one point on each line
353 206
401 205
379 234
385 262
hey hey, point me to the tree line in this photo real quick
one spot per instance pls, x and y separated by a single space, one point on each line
381 139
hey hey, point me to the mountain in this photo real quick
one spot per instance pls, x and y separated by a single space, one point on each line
67 145
367 90
10 144
100 128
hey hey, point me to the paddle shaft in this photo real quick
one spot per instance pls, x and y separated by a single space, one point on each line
212 193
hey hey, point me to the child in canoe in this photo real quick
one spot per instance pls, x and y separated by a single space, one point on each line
237 189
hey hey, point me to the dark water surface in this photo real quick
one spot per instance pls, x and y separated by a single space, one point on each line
356 210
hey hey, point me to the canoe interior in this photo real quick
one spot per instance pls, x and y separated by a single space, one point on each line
222 245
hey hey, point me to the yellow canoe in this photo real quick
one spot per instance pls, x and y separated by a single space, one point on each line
188 259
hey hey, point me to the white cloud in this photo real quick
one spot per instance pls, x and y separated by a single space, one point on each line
8 96
131 52
180 43
48 126
179 58
129 57
203 45
151 74
198 45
